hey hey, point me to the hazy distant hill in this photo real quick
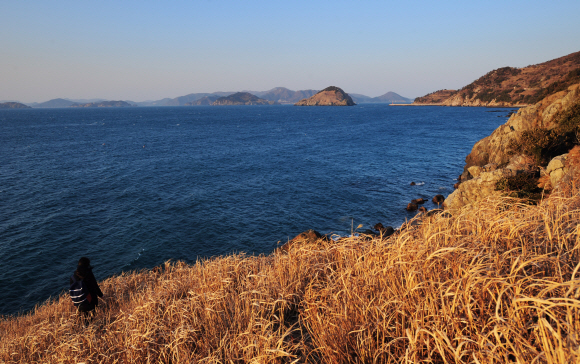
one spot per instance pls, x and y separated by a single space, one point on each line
183 100
283 95
388 98
204 101
54 103
509 86
242 98
13 105
103 104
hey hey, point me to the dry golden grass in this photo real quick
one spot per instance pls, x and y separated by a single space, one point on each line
493 285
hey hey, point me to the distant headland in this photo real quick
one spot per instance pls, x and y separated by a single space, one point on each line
13 105
512 87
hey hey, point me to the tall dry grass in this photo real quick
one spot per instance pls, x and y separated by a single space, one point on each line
493 284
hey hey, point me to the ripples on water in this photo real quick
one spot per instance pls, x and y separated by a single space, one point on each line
132 188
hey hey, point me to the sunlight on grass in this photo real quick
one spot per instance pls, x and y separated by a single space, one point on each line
500 283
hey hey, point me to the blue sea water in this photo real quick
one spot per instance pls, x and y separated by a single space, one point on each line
133 187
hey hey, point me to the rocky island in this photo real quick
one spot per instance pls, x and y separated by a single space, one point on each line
103 104
13 105
509 86
330 96
242 98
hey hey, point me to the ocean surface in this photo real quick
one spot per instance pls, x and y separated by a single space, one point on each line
131 188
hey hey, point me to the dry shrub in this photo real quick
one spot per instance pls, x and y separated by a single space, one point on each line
492 285
573 160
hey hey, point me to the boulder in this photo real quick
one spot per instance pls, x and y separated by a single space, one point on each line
438 199
385 231
308 236
557 168
477 189
423 209
411 207
418 201
413 183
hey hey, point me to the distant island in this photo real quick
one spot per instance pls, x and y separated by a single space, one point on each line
204 101
242 98
280 95
13 105
387 98
330 96
509 86
103 104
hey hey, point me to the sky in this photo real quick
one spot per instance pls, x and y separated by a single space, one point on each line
149 50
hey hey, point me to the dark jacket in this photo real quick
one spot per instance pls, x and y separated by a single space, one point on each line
86 274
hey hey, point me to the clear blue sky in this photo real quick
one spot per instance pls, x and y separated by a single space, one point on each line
147 50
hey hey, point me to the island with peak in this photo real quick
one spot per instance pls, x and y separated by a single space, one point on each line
330 96
13 105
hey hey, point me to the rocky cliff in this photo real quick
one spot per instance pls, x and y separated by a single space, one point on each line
13 105
241 98
509 86
540 118
330 96
527 156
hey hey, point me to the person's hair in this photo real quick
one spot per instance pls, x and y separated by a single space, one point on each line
84 262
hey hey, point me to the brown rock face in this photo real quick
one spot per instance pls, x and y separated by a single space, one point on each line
495 148
330 96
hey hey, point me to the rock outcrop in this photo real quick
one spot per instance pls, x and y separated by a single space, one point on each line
496 147
13 105
306 237
330 96
557 169
241 98
494 159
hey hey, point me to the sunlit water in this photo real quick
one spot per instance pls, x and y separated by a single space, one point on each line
132 188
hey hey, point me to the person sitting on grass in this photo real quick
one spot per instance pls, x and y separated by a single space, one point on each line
84 290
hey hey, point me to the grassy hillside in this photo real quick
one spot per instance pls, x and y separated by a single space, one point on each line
492 285
509 86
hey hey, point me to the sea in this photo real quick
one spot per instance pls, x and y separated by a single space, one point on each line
132 188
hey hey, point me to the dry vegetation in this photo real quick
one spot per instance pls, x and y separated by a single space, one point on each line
492 285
